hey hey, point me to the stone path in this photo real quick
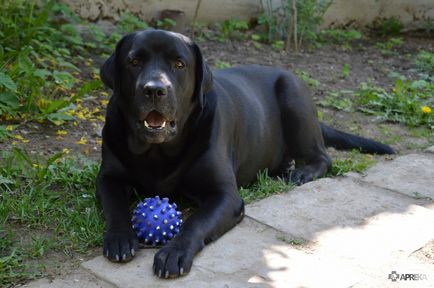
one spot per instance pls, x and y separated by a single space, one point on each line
351 231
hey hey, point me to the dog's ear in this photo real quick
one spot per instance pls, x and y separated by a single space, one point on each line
109 71
204 78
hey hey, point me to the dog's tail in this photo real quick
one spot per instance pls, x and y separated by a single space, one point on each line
345 141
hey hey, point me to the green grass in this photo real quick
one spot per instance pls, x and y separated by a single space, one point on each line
265 186
352 162
52 200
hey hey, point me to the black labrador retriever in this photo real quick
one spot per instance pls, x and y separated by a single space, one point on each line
175 128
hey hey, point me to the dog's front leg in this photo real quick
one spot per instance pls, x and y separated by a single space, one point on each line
220 209
120 240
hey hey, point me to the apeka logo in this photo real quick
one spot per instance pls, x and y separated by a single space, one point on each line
394 276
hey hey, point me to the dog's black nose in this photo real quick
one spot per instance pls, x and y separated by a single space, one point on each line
155 89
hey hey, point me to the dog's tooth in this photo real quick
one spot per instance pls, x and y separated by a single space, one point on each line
163 125
146 124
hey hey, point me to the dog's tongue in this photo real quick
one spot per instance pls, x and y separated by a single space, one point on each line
155 119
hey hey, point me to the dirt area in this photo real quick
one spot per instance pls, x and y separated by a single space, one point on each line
365 60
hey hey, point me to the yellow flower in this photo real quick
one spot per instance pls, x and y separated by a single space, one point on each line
426 110
105 94
100 118
61 132
104 102
98 141
10 128
65 150
82 141
21 138
36 165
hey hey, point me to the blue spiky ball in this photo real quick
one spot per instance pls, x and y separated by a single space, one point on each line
156 221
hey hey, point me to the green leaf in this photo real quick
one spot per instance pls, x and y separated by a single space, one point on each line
7 82
10 100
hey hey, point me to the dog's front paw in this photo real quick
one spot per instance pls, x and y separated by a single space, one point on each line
172 261
119 245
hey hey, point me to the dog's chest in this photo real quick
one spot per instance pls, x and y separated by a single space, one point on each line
156 177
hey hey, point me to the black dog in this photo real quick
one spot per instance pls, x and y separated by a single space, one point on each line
173 127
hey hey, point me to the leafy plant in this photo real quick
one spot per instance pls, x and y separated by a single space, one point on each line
390 45
38 62
425 62
339 37
280 24
232 29
307 78
340 100
166 23
345 71
409 102
391 26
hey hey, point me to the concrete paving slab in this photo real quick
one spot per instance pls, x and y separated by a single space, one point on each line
251 255
78 279
411 174
430 149
407 273
326 204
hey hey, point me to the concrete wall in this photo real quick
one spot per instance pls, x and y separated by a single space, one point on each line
412 13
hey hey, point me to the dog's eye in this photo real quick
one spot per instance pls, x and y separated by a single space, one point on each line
135 62
179 64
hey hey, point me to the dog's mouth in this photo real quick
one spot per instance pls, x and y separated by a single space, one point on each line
155 121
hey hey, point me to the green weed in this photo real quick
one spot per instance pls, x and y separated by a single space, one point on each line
307 78
408 102
339 37
391 26
264 186
340 100
425 62
222 64
232 29
355 161
166 24
388 48
345 71
292 241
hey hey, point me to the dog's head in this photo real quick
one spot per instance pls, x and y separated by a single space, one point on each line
158 78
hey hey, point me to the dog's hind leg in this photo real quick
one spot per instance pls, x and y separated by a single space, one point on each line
301 130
